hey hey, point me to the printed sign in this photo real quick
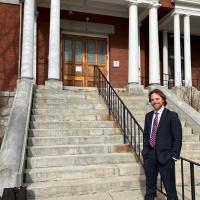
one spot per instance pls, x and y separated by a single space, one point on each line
78 68
116 63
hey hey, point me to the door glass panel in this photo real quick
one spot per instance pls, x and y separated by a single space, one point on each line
78 50
101 52
91 51
68 50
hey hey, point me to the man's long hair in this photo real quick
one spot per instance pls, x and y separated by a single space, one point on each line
160 93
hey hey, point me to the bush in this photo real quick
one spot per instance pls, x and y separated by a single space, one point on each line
190 95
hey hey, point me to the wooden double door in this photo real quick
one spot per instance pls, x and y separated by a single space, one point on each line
80 54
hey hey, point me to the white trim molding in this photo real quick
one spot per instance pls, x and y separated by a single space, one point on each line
10 1
86 27
145 2
192 2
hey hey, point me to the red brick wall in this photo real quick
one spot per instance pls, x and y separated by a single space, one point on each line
167 3
9 45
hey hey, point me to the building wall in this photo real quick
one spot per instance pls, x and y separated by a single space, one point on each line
195 48
9 45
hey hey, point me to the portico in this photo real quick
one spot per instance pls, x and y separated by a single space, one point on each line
181 23
135 11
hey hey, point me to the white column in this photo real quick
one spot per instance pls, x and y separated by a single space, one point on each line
165 59
54 41
28 39
133 54
187 52
154 63
177 51
139 57
35 48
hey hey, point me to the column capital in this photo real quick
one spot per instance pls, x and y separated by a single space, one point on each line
154 4
144 3
187 15
132 2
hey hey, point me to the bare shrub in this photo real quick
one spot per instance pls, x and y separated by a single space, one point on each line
190 95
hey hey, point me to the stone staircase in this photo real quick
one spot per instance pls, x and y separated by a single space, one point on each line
75 151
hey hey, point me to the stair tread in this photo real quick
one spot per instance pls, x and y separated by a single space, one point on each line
83 181
84 155
77 145
68 168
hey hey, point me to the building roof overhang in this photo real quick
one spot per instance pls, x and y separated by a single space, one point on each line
183 7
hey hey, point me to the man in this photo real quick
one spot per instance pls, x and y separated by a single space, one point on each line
161 146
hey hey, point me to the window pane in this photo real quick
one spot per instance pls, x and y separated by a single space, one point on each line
91 51
79 50
68 50
101 52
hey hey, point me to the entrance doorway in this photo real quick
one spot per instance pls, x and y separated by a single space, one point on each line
80 54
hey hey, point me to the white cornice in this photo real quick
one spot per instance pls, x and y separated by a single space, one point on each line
192 2
144 2
10 1
118 9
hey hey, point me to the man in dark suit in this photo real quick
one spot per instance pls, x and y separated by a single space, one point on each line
162 143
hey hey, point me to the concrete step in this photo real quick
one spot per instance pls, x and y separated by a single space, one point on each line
187 192
83 159
74 90
81 172
75 140
83 186
73 124
191 146
192 155
126 194
73 132
38 151
66 96
69 111
70 106
71 117
40 100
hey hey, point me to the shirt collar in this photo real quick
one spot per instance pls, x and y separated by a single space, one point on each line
160 110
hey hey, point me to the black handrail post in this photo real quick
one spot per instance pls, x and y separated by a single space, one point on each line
192 181
95 79
182 180
99 82
109 100
131 128
124 124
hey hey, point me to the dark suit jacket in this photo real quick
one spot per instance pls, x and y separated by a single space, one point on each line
169 136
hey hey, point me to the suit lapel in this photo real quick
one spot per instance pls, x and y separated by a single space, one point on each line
150 121
163 116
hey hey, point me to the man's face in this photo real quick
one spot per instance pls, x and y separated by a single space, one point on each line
156 101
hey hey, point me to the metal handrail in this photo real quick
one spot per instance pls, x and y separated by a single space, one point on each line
131 129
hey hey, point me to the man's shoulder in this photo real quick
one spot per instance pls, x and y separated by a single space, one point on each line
170 111
150 113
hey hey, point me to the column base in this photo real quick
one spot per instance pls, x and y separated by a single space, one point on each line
54 84
135 88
